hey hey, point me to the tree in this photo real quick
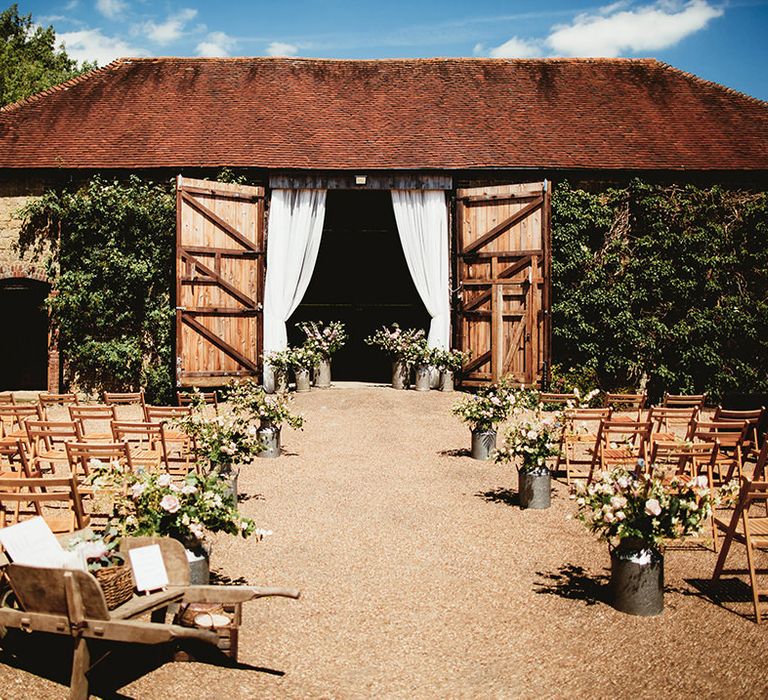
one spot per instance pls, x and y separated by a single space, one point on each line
30 61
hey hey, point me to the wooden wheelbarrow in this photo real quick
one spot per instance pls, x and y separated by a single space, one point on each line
71 603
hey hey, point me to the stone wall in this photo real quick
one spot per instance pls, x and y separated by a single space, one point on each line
15 193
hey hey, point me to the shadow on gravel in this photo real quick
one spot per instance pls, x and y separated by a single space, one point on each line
574 583
463 452
500 495
243 497
724 593
220 579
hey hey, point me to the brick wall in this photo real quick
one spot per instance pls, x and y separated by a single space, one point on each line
15 193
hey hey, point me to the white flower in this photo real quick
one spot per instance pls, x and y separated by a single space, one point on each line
618 501
188 488
138 488
620 515
170 503
652 507
701 481
164 480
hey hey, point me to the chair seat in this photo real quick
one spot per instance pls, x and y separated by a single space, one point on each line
758 528
618 453
144 456
64 523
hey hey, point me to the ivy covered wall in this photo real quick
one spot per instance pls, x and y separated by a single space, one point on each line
665 286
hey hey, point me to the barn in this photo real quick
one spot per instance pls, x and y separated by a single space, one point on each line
415 191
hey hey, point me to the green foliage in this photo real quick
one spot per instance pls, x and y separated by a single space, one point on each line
667 285
29 59
113 244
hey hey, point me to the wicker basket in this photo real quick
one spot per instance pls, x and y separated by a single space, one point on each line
117 584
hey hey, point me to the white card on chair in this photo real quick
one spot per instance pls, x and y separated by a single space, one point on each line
31 542
148 566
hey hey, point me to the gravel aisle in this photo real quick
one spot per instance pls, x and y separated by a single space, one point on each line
420 579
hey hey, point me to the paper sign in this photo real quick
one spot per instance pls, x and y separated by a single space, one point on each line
31 542
148 566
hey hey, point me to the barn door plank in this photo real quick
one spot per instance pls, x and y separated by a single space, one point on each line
502 318
219 281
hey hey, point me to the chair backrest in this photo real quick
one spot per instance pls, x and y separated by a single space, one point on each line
49 434
37 491
684 455
546 397
82 455
729 433
187 398
161 414
13 416
584 417
684 400
174 556
661 416
6 397
142 436
48 400
42 590
753 417
16 459
625 402
90 416
628 431
125 398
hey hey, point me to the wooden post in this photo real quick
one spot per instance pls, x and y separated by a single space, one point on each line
497 322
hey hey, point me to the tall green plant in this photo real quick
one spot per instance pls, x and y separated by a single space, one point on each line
110 247
667 285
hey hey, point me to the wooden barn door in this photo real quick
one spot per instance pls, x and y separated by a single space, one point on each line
503 274
219 281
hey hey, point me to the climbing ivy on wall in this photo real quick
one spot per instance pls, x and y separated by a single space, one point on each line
664 285
110 247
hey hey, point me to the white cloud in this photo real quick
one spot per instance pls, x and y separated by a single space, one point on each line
92 45
111 9
649 28
171 29
515 48
216 44
614 30
280 48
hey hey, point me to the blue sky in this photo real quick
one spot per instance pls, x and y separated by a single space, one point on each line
721 41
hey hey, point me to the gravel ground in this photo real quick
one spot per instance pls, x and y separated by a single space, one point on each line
421 578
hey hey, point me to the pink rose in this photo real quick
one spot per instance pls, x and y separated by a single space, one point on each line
170 504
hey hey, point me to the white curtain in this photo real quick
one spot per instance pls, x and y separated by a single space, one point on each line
294 233
422 222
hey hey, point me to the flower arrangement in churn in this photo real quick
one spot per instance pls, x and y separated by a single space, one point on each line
531 442
325 340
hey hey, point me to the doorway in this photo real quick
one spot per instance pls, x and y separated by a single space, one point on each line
24 354
361 279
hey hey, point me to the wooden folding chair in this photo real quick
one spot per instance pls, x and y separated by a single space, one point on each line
762 462
621 443
126 400
209 398
179 446
12 419
751 530
670 423
146 441
47 401
731 436
94 420
47 441
41 493
83 455
580 436
684 401
753 418
626 403
684 458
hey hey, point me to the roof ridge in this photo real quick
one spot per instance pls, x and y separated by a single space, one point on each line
712 83
431 59
61 86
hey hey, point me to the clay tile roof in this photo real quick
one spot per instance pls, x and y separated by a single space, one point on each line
388 114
